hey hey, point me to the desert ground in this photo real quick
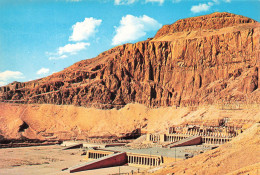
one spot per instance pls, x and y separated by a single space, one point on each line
48 160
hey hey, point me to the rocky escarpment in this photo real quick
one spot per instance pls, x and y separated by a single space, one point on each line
203 60
212 21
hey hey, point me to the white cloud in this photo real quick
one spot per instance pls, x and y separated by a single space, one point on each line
159 1
205 7
3 83
201 7
58 57
84 30
72 48
43 71
132 28
63 56
124 2
7 75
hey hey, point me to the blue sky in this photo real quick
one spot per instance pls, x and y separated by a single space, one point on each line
39 37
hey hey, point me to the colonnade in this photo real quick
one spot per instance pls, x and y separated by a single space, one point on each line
144 160
154 138
204 133
96 154
214 140
209 139
227 131
174 138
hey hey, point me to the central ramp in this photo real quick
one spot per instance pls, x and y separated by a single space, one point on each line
77 145
194 140
116 159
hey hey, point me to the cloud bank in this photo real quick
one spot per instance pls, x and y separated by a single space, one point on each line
43 71
128 2
206 6
124 2
8 75
132 28
84 30
72 48
159 1
200 8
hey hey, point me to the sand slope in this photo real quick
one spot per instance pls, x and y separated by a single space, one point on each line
240 156
69 122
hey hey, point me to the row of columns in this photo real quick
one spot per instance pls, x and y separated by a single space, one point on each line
227 132
154 138
141 160
96 155
212 140
174 138
213 134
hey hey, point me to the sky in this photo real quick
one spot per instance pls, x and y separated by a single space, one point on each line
41 37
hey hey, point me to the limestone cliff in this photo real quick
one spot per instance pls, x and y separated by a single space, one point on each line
203 60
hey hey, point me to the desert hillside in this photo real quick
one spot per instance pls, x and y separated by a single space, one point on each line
48 121
212 59
240 156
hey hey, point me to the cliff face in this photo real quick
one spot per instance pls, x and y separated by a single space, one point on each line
212 21
203 60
